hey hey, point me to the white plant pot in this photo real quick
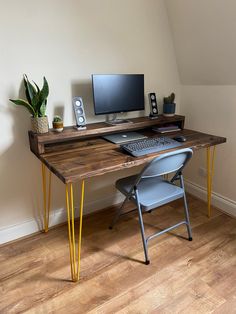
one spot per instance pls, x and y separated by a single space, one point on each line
57 126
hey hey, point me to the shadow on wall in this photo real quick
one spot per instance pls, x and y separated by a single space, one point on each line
84 90
17 170
59 110
20 172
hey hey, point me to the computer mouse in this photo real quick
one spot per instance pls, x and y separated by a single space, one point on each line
180 138
124 135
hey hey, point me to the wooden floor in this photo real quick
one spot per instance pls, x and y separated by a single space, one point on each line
183 277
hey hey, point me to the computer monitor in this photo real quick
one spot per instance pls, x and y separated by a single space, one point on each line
114 93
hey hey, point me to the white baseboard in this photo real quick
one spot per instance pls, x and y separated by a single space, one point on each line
13 232
225 204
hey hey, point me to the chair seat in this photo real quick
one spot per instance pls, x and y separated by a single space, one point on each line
153 192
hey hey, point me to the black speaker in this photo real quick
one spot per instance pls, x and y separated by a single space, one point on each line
79 113
153 105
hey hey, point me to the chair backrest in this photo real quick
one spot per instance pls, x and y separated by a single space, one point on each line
166 163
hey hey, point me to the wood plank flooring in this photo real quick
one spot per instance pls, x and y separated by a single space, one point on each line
183 277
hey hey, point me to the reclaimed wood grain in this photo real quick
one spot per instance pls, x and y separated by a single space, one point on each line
38 141
73 161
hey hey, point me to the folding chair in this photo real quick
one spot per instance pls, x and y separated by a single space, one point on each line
150 189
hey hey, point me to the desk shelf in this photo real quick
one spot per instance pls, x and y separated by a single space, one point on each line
38 141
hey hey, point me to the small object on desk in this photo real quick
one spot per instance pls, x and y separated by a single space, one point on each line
153 106
169 105
153 117
79 113
180 138
57 124
119 138
80 128
36 104
149 146
166 129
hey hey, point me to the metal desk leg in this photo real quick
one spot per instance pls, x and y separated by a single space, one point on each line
46 196
210 172
74 261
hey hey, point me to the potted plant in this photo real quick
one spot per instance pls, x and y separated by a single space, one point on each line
169 105
36 104
57 124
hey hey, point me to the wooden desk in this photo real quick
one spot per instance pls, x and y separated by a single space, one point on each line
76 155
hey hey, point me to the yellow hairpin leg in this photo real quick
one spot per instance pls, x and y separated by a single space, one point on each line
210 172
74 261
46 196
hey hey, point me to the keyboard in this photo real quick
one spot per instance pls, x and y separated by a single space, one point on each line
149 146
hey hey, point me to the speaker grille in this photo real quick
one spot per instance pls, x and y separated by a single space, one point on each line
78 106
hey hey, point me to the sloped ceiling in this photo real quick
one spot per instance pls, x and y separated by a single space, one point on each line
204 34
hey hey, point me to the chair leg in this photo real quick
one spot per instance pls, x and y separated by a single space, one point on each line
187 219
186 210
145 248
118 213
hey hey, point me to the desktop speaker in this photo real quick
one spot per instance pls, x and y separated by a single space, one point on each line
79 113
153 105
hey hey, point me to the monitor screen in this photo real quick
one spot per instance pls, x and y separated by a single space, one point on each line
114 93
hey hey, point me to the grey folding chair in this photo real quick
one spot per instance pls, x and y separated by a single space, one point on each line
149 190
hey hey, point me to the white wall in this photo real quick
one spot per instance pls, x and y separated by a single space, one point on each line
204 38
67 41
211 109
205 45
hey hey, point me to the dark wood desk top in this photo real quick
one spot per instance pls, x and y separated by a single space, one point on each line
75 160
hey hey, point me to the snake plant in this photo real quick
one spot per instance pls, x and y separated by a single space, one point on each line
36 102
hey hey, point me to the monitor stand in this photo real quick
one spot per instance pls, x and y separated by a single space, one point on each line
115 121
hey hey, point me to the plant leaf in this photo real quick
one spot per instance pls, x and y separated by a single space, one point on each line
42 102
26 89
35 102
45 90
21 102
42 110
38 90
30 90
